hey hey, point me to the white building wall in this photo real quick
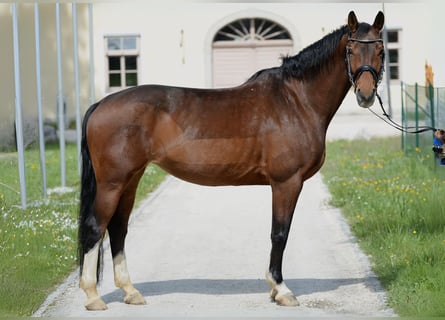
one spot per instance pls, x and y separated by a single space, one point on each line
436 48
161 24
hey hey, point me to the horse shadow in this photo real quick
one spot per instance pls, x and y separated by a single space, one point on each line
239 286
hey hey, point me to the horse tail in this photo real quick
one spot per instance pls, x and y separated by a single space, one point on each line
89 233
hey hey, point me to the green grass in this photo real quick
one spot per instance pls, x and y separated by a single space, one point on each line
395 206
38 245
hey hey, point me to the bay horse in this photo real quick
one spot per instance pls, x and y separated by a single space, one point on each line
270 130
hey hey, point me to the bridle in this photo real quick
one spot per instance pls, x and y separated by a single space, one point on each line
377 76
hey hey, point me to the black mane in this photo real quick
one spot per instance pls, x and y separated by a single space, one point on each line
313 59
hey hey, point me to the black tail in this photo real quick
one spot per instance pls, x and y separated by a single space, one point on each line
89 231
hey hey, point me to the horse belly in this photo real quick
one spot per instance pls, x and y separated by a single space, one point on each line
215 162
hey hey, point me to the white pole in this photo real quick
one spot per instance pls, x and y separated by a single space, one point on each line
76 85
91 44
60 105
18 106
387 73
39 99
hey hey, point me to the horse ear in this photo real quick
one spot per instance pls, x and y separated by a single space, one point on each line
379 21
352 22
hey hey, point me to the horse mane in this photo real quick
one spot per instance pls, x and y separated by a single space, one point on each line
313 59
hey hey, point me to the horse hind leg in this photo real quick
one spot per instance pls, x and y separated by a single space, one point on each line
117 231
94 227
88 280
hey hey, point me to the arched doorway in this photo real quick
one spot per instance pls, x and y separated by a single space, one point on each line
245 46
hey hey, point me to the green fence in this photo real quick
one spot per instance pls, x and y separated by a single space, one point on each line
421 106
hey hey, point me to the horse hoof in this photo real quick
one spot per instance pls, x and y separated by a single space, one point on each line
95 304
273 293
135 298
287 300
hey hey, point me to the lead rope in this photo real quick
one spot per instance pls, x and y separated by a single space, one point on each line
396 125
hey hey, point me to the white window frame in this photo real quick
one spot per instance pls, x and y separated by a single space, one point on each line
395 46
121 52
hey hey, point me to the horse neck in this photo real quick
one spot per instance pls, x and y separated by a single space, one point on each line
325 92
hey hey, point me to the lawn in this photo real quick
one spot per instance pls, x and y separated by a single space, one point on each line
395 206
38 245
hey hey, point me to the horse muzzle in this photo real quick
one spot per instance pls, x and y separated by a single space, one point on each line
365 101
366 94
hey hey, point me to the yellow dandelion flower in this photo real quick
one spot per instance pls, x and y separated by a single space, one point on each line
414 231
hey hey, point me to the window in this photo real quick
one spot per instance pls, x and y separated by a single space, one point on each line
252 29
394 47
122 61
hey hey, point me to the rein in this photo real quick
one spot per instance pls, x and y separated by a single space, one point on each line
377 79
396 125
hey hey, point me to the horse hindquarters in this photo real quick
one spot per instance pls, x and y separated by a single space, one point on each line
107 198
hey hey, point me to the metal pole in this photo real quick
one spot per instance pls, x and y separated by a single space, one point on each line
18 107
60 106
76 85
39 99
387 73
417 113
91 44
432 112
404 122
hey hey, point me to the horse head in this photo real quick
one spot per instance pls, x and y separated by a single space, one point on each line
365 57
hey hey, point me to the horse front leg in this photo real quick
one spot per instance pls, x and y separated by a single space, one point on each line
284 199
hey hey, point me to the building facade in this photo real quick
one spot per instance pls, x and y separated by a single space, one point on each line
198 44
